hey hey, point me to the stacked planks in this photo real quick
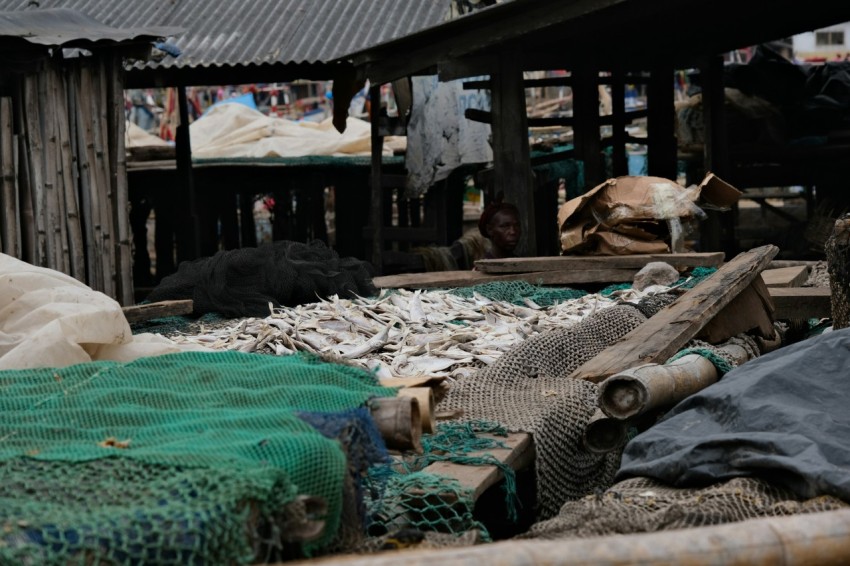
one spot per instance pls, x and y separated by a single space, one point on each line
559 270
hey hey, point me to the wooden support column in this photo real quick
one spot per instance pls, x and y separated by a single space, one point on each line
188 232
511 154
377 209
620 162
661 158
586 124
717 230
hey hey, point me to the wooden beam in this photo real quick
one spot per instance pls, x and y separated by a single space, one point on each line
449 279
527 264
586 127
189 235
795 303
667 332
661 157
377 212
149 311
511 154
518 454
786 276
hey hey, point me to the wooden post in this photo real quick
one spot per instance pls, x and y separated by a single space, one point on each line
188 239
25 196
377 208
57 246
511 155
716 151
661 158
586 124
620 161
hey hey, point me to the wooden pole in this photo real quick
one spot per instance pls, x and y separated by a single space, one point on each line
11 243
586 125
619 158
377 189
715 149
511 154
189 236
56 240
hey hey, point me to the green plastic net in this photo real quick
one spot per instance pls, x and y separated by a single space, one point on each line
516 292
177 459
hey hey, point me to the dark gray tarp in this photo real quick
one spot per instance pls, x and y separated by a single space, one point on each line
784 417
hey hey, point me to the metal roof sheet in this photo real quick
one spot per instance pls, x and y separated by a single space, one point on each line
63 26
228 32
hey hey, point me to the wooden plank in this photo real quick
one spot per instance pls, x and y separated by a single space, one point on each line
786 276
664 334
436 279
149 311
796 303
558 263
518 454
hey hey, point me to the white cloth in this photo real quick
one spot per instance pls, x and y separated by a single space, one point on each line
439 138
49 319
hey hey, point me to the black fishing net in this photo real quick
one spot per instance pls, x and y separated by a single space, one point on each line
243 282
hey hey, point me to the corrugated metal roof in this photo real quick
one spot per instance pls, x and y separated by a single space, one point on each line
232 32
62 26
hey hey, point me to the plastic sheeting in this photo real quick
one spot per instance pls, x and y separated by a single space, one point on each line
49 319
782 417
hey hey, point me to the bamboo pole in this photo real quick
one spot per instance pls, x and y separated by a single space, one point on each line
25 197
425 397
36 169
118 165
66 165
104 186
88 179
604 434
47 118
11 244
814 538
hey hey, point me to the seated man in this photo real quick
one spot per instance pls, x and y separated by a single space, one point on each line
499 223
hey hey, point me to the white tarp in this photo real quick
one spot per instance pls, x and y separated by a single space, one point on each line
439 138
49 319
234 130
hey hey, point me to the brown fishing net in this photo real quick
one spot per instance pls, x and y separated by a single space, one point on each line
527 390
639 505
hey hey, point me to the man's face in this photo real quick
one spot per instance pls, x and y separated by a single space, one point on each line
504 230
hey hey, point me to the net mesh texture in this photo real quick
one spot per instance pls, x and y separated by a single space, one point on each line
178 459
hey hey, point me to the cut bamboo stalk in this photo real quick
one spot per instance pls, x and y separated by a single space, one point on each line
9 192
88 179
118 164
35 159
603 433
425 397
69 182
399 422
641 389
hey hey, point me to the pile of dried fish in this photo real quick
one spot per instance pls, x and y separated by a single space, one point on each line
403 333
